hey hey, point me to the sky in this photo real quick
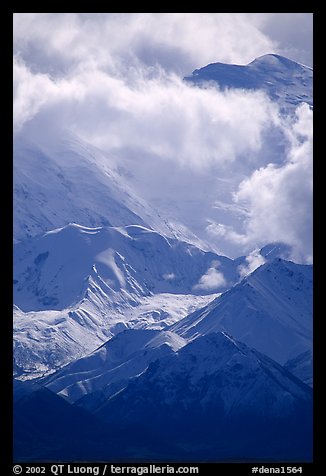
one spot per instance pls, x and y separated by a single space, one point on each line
115 80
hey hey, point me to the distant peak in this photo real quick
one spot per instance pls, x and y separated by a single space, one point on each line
285 81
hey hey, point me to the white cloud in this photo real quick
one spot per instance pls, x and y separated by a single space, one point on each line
274 202
177 41
36 91
163 115
169 276
253 261
212 279
226 232
279 198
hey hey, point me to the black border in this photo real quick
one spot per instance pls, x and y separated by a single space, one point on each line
6 326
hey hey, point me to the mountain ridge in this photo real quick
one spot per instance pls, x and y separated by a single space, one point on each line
284 80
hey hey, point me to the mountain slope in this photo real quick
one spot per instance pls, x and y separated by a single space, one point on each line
110 367
75 287
269 310
72 181
55 187
205 397
54 270
282 79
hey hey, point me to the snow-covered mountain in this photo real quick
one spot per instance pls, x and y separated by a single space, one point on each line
269 310
76 287
127 316
284 80
53 187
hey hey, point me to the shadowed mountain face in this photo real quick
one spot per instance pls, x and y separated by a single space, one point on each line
206 397
46 428
215 399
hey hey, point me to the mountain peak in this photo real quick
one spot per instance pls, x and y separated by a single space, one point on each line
285 81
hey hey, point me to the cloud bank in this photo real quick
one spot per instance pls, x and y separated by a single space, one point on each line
279 198
162 115
115 80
